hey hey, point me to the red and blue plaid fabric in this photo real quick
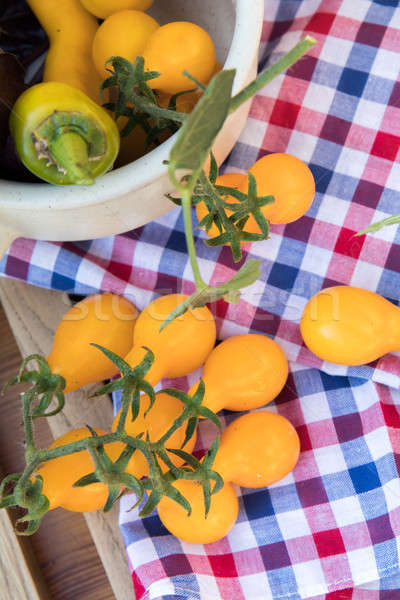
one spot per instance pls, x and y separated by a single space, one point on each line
331 529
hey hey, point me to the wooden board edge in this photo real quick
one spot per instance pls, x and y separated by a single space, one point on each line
22 576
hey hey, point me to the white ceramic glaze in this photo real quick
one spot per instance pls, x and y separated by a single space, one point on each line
133 195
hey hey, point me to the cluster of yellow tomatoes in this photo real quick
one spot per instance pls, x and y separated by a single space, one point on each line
245 372
242 373
168 49
80 47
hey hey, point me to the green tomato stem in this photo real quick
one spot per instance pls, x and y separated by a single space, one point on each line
187 218
42 456
28 426
31 465
70 152
266 76
125 400
229 227
157 111
374 227
184 416
38 457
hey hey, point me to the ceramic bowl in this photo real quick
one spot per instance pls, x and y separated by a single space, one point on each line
133 195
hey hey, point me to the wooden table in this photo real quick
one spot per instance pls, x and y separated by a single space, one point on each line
72 556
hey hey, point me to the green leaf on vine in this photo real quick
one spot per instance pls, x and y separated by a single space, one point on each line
379 225
119 362
229 290
247 274
201 127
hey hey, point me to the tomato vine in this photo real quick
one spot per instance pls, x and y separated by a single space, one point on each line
46 387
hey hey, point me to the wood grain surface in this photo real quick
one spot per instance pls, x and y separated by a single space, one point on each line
20 575
64 545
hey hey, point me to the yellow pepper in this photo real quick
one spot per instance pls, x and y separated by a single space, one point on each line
105 8
71 30
62 136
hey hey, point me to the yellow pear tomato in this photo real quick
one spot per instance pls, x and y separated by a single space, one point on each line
350 326
125 34
196 528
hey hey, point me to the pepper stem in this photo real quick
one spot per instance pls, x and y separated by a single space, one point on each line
70 152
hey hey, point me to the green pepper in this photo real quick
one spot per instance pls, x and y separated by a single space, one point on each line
62 136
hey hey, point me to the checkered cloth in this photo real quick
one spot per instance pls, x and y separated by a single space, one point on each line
331 529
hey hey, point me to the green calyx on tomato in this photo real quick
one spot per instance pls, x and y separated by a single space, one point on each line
62 136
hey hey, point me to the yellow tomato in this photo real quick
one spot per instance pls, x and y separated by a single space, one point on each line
181 347
233 180
289 180
59 475
174 48
257 449
243 372
350 325
157 422
104 319
125 34
196 528
105 8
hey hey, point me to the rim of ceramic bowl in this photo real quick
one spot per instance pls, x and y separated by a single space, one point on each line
143 171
